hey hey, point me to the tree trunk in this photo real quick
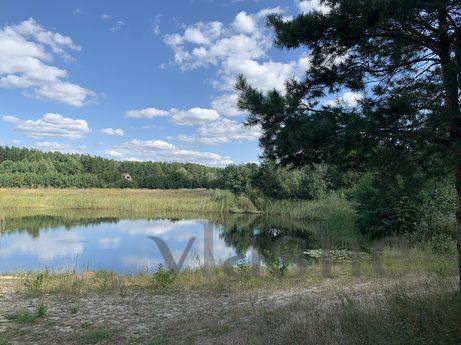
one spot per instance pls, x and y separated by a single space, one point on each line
458 221
450 72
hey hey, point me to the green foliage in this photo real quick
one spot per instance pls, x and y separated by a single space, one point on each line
97 335
41 311
33 169
24 317
387 207
403 205
440 244
23 168
276 266
34 283
162 278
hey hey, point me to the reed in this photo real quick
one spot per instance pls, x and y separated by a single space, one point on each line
190 200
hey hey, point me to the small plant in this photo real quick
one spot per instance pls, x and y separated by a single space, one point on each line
162 277
96 336
35 284
440 244
244 271
24 317
74 309
277 267
41 311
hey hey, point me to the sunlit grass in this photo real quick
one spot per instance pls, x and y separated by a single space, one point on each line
193 200
388 264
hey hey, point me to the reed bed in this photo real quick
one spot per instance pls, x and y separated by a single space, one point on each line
192 200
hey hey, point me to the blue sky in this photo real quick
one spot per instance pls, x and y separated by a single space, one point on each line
139 80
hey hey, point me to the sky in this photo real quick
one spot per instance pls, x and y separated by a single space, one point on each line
140 80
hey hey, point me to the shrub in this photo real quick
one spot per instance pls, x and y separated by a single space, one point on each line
162 278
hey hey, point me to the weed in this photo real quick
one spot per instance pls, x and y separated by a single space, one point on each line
97 335
162 278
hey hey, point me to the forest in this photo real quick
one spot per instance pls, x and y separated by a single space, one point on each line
384 205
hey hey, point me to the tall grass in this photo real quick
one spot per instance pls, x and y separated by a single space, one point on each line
195 200
396 263
417 315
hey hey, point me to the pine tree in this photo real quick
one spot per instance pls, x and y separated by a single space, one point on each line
402 56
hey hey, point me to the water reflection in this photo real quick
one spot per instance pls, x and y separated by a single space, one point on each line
78 241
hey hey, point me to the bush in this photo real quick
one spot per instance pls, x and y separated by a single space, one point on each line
162 278
404 205
387 208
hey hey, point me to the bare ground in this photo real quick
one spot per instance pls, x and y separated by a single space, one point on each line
146 318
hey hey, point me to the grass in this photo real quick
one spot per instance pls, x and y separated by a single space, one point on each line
393 262
26 317
425 314
193 200
97 335
145 202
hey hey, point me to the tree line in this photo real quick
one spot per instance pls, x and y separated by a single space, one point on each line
29 168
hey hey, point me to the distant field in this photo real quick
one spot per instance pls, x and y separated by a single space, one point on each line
193 200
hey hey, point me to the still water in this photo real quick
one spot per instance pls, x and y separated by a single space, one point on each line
125 244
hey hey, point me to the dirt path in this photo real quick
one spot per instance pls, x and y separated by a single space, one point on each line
143 318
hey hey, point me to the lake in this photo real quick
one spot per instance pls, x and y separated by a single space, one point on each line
78 241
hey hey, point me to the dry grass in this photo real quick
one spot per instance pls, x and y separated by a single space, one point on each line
419 313
392 263
190 200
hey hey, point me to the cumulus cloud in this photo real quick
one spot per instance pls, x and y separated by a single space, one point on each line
26 53
348 99
266 76
306 6
190 117
54 147
113 132
193 116
159 150
240 47
223 132
147 113
50 125
226 105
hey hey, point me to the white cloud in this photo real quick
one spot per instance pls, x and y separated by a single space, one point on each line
348 99
114 153
147 113
203 44
240 47
226 105
26 51
158 150
113 132
54 147
106 16
78 11
244 23
223 132
306 6
262 75
118 26
50 125
193 116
